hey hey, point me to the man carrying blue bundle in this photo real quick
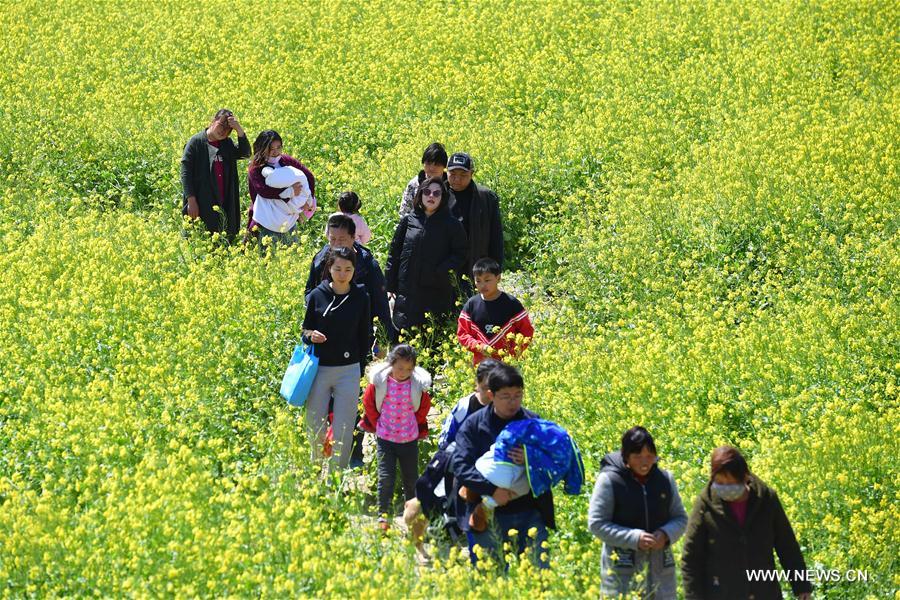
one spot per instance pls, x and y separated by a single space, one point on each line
522 519
550 455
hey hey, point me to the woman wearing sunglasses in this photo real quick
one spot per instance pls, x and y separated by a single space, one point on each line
428 247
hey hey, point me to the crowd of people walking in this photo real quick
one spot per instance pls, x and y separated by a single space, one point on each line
490 481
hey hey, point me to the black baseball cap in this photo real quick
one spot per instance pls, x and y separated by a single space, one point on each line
461 160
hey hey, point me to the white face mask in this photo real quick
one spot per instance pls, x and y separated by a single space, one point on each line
729 492
273 160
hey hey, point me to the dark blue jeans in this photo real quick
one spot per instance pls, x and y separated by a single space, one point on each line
497 533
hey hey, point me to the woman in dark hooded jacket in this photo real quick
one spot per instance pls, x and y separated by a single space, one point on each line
429 245
337 321
735 526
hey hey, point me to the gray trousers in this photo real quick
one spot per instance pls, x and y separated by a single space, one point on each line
618 576
389 454
342 383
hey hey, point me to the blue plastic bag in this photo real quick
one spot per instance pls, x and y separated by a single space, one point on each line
299 376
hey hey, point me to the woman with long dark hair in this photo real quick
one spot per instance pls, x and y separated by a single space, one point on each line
282 189
337 322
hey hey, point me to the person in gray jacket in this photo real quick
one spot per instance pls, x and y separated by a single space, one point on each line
637 512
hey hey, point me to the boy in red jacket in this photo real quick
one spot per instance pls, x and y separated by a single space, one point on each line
493 324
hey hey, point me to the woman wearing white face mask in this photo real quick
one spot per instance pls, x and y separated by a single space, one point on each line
736 525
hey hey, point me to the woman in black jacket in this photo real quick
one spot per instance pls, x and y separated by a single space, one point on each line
429 245
736 525
337 321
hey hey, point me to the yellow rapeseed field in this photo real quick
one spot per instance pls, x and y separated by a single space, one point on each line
701 212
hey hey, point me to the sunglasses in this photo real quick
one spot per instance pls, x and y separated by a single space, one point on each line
430 192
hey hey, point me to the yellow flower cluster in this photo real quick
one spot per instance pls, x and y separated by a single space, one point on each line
700 206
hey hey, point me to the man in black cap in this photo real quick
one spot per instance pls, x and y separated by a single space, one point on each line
478 209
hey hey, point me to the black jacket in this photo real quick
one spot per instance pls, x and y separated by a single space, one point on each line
425 252
485 231
344 320
638 506
198 180
718 552
366 273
